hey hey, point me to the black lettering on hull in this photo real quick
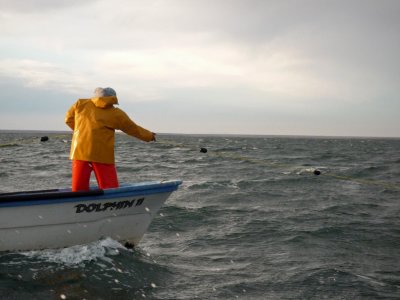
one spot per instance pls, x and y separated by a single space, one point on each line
108 206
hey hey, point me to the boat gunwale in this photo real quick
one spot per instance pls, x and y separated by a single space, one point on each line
45 197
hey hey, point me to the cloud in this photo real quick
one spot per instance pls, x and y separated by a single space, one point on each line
43 75
39 6
272 46
288 57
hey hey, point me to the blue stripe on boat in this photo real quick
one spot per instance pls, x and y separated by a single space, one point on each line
65 195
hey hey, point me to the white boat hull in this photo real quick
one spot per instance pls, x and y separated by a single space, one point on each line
122 214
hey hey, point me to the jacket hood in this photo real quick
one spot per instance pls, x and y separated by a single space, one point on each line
104 102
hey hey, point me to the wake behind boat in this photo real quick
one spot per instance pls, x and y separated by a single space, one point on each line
61 218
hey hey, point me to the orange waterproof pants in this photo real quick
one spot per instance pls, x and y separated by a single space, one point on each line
106 175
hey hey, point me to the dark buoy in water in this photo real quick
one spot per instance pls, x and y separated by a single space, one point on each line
203 150
44 138
317 172
129 245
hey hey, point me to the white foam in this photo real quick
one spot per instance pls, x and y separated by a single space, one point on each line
76 255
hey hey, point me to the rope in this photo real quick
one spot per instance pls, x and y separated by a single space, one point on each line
386 185
257 161
20 142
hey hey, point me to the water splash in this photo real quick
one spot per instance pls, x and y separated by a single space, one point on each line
76 255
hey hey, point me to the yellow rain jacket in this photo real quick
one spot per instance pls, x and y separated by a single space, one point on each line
94 122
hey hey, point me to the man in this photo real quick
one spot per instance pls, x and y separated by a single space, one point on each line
94 122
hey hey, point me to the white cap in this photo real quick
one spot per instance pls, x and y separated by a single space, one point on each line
106 92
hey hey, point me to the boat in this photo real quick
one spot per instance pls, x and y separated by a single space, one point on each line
58 218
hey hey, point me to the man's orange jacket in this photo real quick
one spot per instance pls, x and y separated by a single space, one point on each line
94 122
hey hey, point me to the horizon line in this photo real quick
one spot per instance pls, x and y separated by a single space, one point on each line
218 134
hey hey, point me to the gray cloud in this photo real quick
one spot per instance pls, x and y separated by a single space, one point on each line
39 6
289 60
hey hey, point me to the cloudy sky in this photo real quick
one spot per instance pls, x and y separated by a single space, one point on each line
308 67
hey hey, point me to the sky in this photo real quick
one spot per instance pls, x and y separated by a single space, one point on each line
283 67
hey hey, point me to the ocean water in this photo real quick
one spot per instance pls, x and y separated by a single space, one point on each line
251 220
